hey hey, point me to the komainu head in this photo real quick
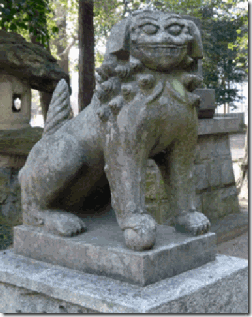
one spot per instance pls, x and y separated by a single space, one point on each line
161 41
146 43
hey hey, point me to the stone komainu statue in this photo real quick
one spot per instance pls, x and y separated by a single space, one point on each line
144 107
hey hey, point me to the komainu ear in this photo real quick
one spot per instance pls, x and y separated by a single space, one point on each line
195 49
119 40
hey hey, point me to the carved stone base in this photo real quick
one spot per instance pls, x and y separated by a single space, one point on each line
102 251
30 286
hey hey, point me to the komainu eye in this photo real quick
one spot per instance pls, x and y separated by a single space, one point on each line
150 28
174 29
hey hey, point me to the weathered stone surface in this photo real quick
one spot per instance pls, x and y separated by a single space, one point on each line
231 227
214 173
221 202
218 125
151 185
102 251
151 163
207 103
14 148
12 161
222 146
205 149
200 174
28 286
198 203
19 141
165 213
227 173
144 107
21 300
29 62
10 204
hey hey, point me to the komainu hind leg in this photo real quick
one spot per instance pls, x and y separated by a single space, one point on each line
49 166
37 213
63 223
193 222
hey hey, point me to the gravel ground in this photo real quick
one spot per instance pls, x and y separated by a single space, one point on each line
236 247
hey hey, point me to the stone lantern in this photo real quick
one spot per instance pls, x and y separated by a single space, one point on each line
23 66
15 96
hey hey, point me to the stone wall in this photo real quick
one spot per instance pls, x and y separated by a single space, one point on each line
10 204
14 148
214 177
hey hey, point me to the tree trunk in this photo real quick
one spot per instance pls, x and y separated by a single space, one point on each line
86 53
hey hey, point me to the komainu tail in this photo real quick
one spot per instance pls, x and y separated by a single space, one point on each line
60 110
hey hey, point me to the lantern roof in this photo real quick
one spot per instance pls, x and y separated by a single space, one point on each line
29 62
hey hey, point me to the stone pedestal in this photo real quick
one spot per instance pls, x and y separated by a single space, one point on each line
95 273
31 286
102 251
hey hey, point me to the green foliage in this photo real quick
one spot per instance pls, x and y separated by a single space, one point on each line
224 31
224 28
225 60
28 18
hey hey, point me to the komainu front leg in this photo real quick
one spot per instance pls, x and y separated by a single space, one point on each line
176 167
126 176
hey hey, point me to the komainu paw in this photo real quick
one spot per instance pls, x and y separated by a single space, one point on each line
64 224
192 222
140 232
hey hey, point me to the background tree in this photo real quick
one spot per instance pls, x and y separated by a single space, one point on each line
86 53
30 19
224 32
221 68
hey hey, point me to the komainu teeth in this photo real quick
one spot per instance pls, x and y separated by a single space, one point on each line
163 50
